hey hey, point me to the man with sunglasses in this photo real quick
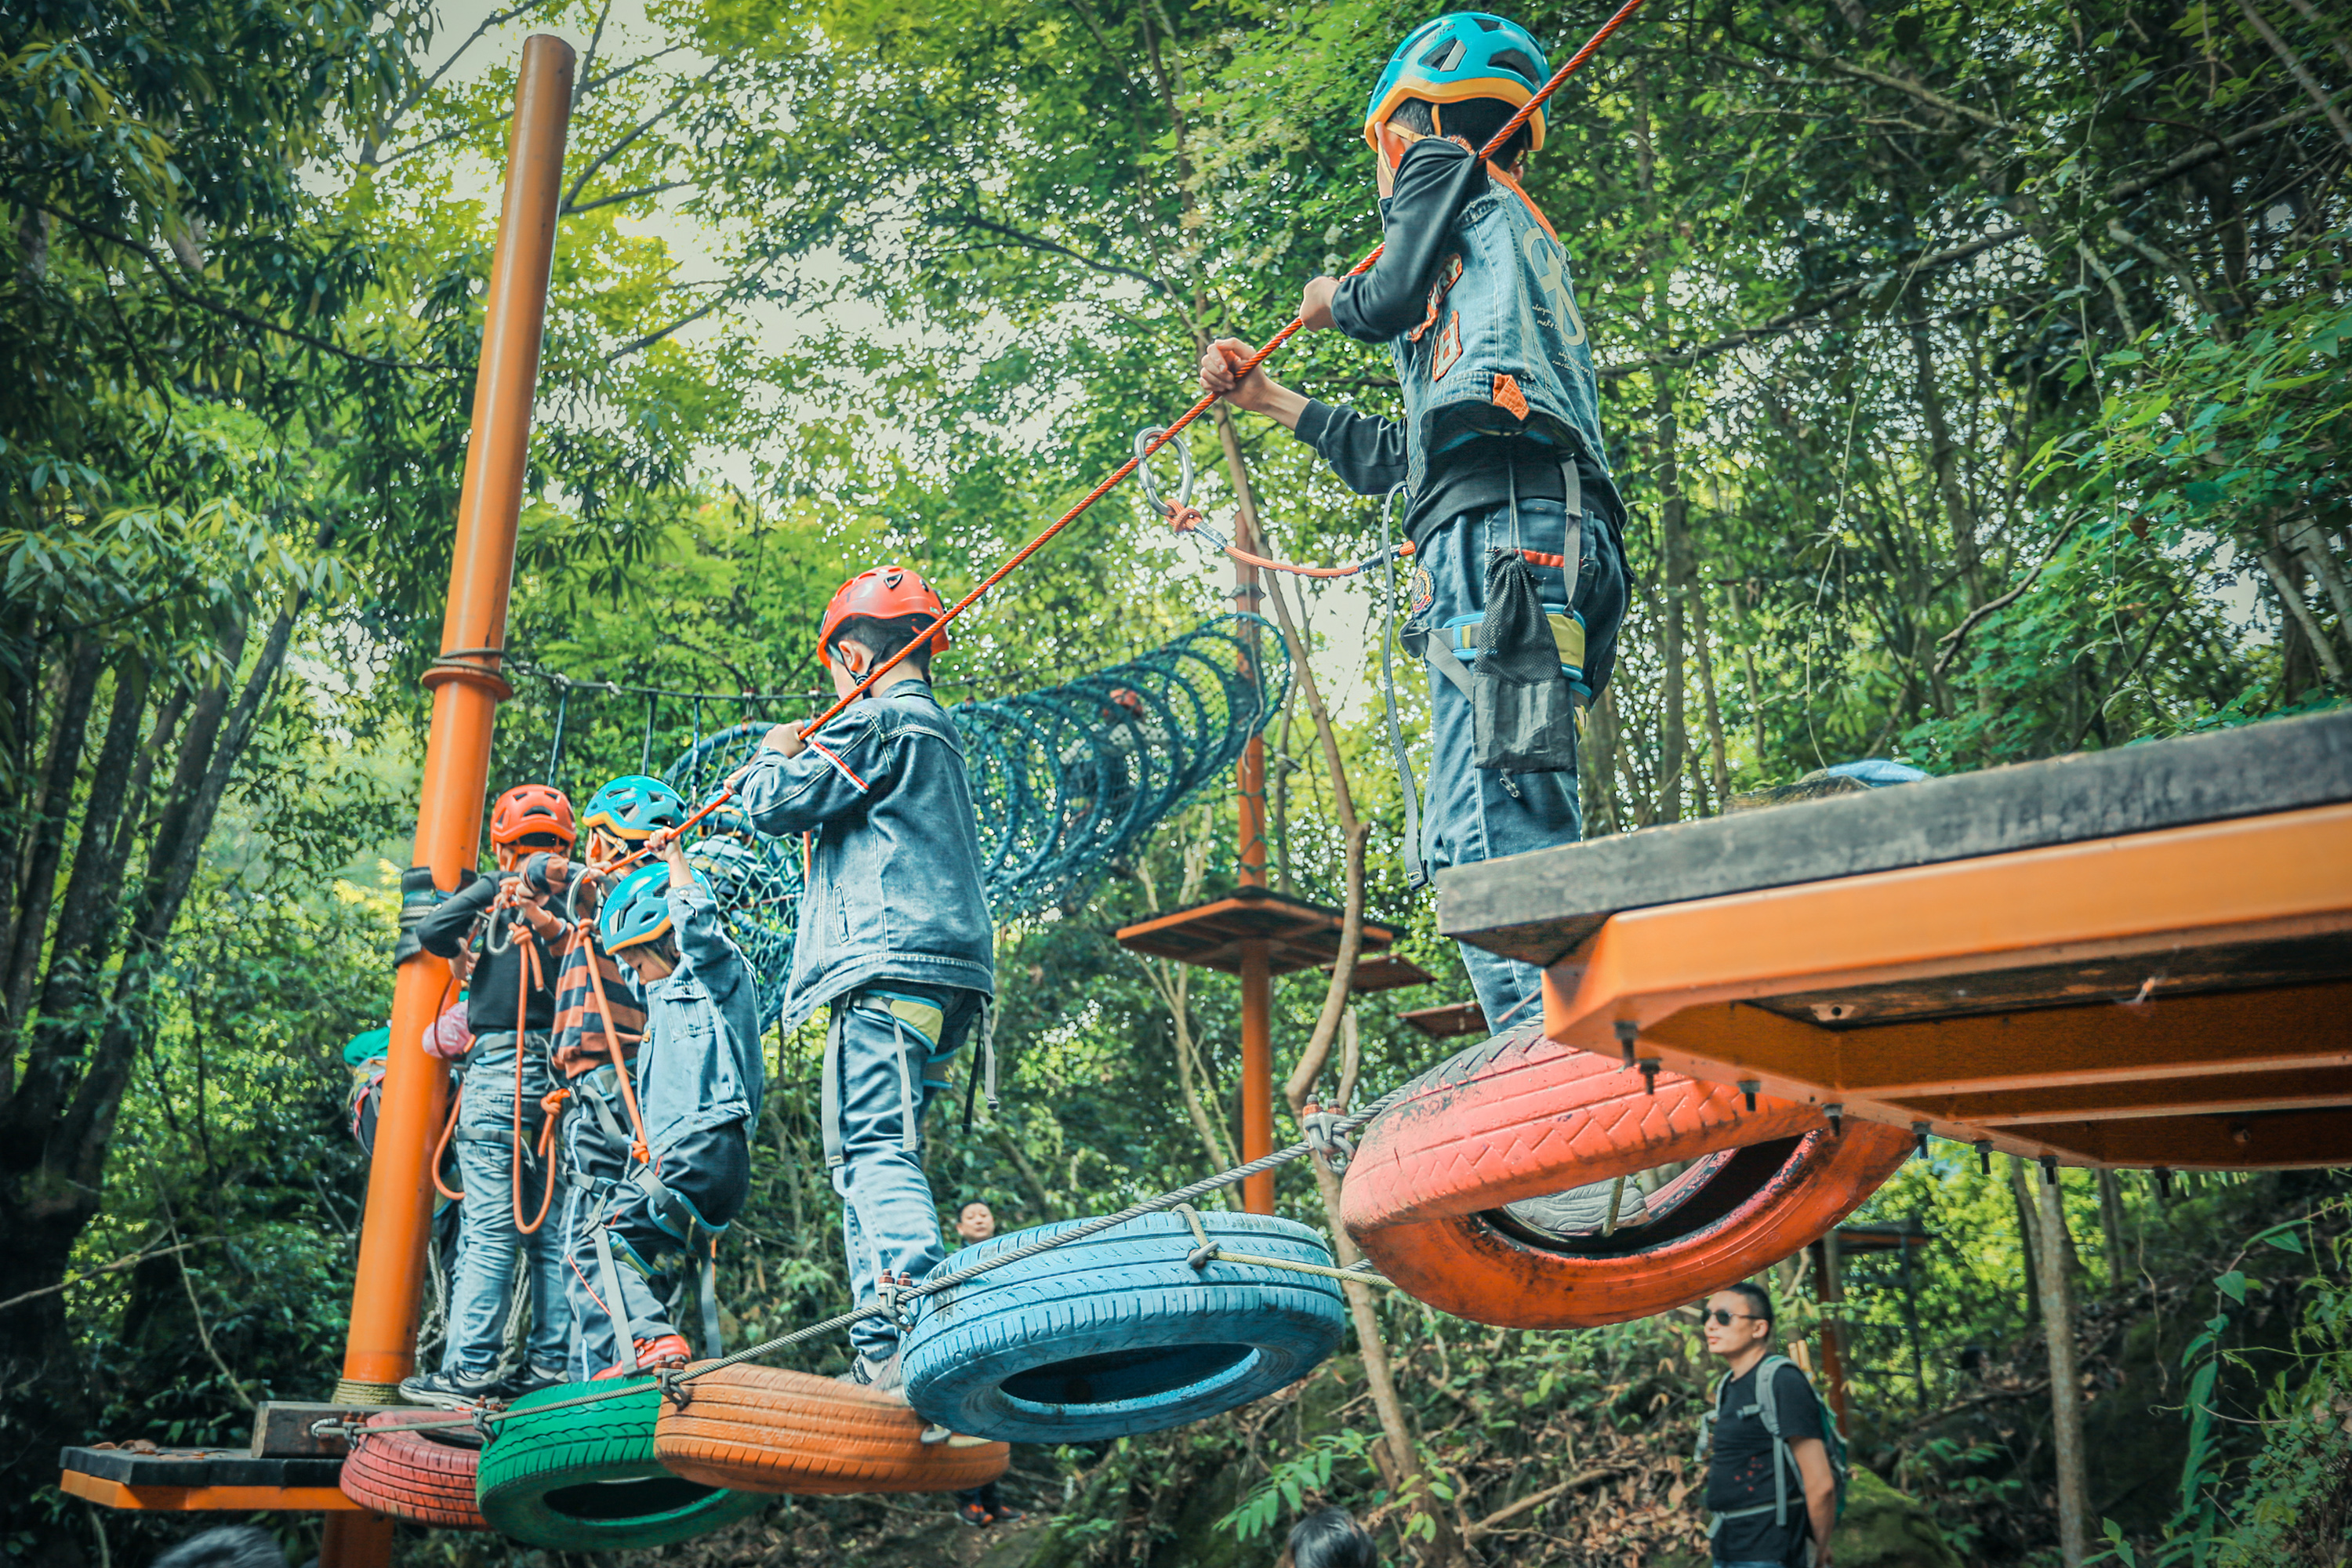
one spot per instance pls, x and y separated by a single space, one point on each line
1771 1486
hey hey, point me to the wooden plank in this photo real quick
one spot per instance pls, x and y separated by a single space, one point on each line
2278 1140
2146 978
2139 1098
206 1499
281 1429
147 1465
1447 1022
1537 906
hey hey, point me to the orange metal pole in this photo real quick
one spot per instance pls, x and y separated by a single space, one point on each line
1257 979
467 690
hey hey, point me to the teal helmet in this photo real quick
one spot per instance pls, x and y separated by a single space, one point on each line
633 806
637 909
367 1045
1458 56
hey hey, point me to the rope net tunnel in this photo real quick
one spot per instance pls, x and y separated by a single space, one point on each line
1066 781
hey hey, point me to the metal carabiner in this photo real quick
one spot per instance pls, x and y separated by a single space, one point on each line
1143 439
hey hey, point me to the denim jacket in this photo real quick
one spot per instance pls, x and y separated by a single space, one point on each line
893 882
1501 349
700 1065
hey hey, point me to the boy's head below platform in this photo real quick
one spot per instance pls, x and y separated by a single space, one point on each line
1460 76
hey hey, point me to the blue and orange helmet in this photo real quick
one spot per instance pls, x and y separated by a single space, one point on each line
637 909
633 806
1461 55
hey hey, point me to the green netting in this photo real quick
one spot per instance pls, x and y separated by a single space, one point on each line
1064 782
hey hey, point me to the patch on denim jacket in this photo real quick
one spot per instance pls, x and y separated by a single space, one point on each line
1422 590
1448 349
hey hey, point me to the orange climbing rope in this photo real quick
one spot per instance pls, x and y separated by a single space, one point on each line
1200 407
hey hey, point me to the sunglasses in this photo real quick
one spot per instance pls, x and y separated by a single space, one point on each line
543 841
1726 1319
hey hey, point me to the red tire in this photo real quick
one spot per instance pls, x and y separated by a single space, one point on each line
399 1469
762 1429
1520 1116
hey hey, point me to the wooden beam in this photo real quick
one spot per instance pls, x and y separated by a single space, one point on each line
2279 1140
206 1499
2135 1100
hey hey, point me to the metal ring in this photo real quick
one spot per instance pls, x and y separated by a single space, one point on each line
1143 439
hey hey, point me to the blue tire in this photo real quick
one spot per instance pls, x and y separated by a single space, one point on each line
1118 1334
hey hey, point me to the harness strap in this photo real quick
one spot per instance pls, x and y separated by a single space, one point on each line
607 1272
829 1089
712 1345
911 1136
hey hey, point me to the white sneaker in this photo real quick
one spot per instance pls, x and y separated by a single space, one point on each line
1581 1211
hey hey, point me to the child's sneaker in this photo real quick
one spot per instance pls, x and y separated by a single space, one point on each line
974 1514
528 1379
445 1391
661 1350
881 1376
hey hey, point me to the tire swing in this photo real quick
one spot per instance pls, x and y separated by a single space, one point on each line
1120 1333
763 1429
583 1478
1520 1116
421 1474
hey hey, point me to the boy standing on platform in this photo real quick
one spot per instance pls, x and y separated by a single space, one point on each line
514 947
1499 453
894 932
699 1082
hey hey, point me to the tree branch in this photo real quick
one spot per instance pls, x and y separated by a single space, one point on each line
1052 247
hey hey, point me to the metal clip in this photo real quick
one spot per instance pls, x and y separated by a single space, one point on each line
1330 1147
890 1294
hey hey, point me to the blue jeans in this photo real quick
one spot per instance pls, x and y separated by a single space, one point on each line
1472 814
883 1067
594 1157
482 1294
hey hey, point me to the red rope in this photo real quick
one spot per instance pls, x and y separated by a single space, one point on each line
1201 406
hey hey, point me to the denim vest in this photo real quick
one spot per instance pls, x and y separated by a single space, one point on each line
1501 350
893 882
700 1064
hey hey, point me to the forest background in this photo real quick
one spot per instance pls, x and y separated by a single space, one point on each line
1975 372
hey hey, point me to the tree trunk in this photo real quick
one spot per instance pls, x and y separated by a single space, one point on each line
1719 759
2111 1227
2065 1379
2026 1238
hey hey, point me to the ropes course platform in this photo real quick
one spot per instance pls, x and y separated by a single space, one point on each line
2137 958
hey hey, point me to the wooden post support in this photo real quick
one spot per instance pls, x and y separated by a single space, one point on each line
1257 977
466 688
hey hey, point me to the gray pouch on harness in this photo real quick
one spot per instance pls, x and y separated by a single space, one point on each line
1522 709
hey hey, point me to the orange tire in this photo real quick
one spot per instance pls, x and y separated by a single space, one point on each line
760 1429
1520 1116
408 1473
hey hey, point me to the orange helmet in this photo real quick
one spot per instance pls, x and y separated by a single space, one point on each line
532 808
884 593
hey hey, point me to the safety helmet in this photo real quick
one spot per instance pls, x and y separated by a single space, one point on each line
1461 55
531 808
633 806
637 909
733 872
885 593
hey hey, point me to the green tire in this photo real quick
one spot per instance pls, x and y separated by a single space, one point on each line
583 1478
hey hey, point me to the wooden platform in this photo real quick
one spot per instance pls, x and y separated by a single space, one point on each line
1448 1021
2139 958
188 1480
1297 935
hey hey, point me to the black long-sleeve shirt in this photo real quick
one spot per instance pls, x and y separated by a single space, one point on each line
490 992
1434 181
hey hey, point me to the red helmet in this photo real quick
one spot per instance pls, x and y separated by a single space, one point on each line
532 808
884 593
